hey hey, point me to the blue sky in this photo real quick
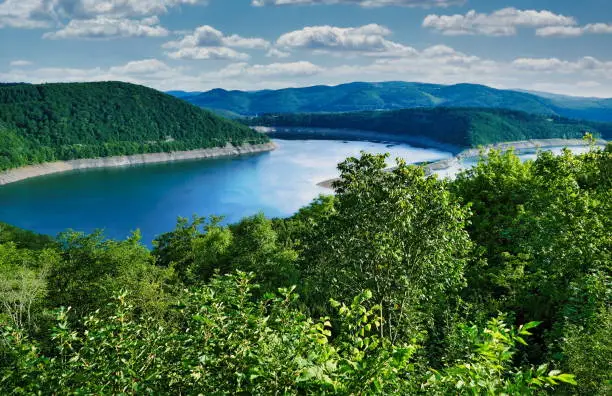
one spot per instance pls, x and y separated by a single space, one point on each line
559 46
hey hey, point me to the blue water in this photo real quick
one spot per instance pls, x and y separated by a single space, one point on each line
150 197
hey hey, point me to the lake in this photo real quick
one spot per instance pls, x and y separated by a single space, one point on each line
150 197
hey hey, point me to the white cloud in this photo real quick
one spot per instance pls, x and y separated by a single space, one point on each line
109 28
503 22
208 36
199 53
25 14
588 65
587 76
362 3
365 40
574 31
150 72
289 69
20 63
207 42
276 53
87 9
245 42
141 67
32 14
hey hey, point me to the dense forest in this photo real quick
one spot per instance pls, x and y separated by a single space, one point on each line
463 127
49 122
393 95
497 282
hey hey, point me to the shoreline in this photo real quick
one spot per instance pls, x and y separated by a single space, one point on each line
48 168
520 147
316 133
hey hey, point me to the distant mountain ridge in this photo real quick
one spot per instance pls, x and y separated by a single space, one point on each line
393 95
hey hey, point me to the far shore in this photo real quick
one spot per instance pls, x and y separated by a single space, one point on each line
354 134
31 171
520 147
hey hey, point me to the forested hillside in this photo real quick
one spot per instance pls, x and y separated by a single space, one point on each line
41 123
495 283
461 127
361 96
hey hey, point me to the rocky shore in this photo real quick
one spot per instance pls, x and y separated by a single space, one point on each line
27 172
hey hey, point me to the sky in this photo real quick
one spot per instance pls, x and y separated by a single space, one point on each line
559 46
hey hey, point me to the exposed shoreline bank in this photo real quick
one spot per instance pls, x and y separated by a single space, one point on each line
520 147
31 171
355 134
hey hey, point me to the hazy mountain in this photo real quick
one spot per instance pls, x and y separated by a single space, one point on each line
360 96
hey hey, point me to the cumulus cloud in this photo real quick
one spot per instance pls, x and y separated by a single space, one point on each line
503 22
207 42
289 69
145 66
150 72
31 14
574 31
109 28
366 40
25 14
214 53
87 9
362 3
587 76
587 65
276 53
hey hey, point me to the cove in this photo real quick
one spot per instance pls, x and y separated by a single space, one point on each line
151 197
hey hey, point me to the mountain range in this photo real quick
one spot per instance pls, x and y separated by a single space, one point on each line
359 96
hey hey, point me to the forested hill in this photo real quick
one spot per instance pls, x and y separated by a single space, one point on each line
41 123
362 96
463 127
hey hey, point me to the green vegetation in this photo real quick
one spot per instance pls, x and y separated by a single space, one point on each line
460 127
49 122
495 283
361 96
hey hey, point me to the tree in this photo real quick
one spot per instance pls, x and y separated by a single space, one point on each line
23 283
397 233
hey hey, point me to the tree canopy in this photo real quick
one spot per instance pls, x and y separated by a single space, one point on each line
49 122
497 282
461 127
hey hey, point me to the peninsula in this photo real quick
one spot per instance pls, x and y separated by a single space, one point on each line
48 128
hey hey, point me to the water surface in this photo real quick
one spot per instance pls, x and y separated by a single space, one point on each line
150 197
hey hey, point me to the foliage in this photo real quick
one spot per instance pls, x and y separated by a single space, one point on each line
402 276
50 122
470 127
23 283
227 343
100 268
198 249
23 238
396 233
488 369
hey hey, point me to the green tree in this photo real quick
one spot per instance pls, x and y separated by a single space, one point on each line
397 233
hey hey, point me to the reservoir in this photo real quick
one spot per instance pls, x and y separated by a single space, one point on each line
151 197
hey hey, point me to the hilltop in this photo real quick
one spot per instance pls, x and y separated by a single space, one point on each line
50 122
361 96
461 127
